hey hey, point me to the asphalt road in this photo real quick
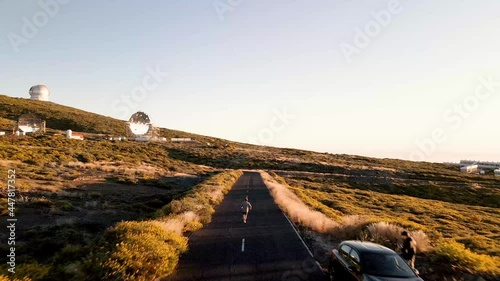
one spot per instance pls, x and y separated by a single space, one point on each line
265 248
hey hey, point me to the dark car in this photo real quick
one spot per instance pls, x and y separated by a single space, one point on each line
366 261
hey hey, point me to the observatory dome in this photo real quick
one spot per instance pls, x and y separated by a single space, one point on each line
39 92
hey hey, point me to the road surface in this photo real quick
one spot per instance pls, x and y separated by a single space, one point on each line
265 248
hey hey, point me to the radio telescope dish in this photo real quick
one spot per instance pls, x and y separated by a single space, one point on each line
30 123
139 123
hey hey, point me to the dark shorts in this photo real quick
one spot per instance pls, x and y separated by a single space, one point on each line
244 213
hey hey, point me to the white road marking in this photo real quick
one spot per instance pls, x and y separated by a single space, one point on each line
243 245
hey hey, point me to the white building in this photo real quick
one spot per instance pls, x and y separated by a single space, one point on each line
75 136
469 169
481 164
144 139
181 140
497 172
40 92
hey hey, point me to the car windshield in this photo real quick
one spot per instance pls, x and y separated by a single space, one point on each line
386 265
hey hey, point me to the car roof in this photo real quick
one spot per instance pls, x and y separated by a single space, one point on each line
367 247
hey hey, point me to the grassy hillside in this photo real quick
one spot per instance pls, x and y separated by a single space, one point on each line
60 117
73 190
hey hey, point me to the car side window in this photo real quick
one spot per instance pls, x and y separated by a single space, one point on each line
344 251
355 257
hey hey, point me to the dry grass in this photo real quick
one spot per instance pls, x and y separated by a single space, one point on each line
296 209
471 246
389 233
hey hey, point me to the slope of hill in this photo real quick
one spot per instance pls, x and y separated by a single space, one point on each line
71 188
60 117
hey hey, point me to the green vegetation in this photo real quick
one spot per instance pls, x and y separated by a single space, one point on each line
201 199
71 192
141 251
451 254
59 117
446 223
130 250
150 249
45 155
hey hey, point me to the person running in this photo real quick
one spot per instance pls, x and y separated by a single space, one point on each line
409 249
245 208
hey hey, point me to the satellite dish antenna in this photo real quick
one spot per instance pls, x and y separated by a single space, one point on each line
30 123
139 123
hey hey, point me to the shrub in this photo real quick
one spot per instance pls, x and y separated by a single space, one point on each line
192 226
29 271
150 249
352 227
201 199
65 205
40 203
85 157
142 251
5 278
389 234
450 252
296 209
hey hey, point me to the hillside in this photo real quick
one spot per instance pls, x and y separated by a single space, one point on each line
60 117
71 191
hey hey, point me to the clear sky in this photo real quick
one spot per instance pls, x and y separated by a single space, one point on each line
399 79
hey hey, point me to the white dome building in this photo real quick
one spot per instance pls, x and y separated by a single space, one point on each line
40 92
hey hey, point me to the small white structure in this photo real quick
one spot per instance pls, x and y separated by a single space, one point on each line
40 92
2 133
71 135
497 172
180 140
481 164
117 138
144 139
469 169
30 124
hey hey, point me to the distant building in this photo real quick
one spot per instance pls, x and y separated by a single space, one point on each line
40 92
2 133
75 136
181 140
481 164
30 124
469 169
144 139
497 172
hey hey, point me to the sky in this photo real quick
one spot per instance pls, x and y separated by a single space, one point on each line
415 80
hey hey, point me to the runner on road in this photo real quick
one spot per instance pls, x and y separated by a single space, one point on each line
245 208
